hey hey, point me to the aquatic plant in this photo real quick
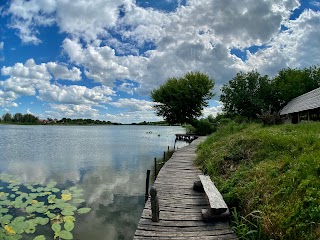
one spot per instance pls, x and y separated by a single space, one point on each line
24 207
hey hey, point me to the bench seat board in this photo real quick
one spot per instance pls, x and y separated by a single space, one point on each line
215 198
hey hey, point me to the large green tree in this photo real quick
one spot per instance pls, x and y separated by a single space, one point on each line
181 100
247 94
290 83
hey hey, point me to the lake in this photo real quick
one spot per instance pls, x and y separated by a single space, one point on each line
108 162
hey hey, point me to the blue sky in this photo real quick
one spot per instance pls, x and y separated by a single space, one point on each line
101 58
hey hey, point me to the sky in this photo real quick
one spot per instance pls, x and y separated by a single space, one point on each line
100 59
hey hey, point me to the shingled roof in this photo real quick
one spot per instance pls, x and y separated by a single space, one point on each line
307 101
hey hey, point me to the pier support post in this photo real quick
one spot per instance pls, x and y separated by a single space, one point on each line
155 168
146 196
154 205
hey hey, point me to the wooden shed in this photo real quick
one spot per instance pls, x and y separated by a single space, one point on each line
305 107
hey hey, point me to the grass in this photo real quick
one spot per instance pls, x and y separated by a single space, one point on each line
272 170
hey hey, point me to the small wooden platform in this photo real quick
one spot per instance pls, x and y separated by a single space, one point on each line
186 137
180 205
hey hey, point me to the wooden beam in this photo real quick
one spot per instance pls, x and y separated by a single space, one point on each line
217 204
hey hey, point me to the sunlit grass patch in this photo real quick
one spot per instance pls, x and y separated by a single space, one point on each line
274 170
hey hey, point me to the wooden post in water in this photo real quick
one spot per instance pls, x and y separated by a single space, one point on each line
147 186
164 156
155 168
154 205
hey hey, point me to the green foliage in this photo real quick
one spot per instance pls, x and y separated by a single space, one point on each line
203 127
19 118
247 94
271 169
269 118
247 227
181 100
290 83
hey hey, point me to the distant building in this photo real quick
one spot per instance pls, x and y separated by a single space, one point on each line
305 107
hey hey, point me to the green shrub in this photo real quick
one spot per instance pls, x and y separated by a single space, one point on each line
203 127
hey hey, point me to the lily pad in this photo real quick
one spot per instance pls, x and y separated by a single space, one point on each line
69 219
67 213
55 190
83 210
42 221
56 227
69 225
64 234
66 196
40 237
78 200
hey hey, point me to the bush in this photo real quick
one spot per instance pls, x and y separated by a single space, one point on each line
203 127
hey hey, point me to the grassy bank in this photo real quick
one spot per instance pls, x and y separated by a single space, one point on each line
270 175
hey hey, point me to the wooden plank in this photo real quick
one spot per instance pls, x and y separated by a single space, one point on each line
217 232
217 204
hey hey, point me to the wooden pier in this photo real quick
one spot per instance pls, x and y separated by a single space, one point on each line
186 137
180 205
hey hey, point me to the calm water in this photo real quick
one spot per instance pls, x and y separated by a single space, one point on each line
108 162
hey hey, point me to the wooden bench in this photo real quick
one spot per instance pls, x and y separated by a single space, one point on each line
218 208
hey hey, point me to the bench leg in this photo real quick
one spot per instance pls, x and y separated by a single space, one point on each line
197 186
208 215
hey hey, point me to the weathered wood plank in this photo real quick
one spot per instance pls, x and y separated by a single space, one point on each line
216 201
217 232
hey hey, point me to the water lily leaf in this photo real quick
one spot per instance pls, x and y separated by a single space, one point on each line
9 230
18 226
50 215
66 196
51 184
67 213
56 227
42 221
30 209
39 189
41 210
78 201
3 195
5 219
77 195
18 219
69 219
30 226
70 208
65 235
13 237
69 225
40 237
83 210
55 190
4 210
74 188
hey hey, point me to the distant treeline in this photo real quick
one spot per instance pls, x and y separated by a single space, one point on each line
30 119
